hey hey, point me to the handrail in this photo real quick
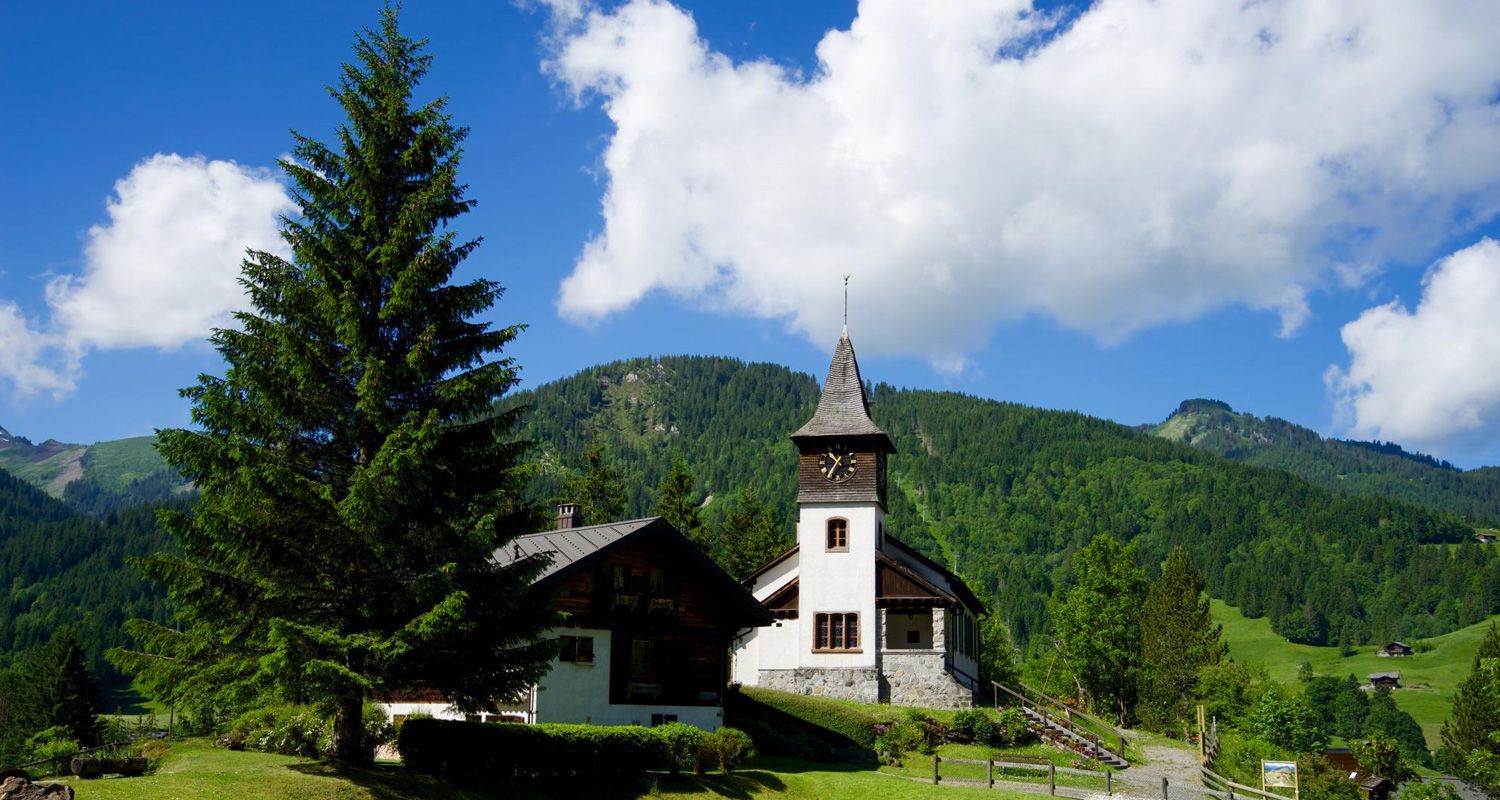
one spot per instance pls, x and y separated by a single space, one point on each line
1108 727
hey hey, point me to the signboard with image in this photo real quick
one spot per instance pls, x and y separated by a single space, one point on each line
1278 775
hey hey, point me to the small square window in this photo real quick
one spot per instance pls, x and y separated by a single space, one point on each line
658 581
838 534
913 637
622 577
662 719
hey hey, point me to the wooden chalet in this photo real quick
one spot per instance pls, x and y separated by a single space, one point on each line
1394 649
650 624
1388 679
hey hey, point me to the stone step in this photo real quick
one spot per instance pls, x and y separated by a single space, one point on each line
1103 754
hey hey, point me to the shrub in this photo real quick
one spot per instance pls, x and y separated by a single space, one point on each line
482 753
974 725
733 748
898 738
288 730
1319 779
682 743
836 724
52 743
1012 728
378 729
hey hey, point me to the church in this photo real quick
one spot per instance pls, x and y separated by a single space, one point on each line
858 615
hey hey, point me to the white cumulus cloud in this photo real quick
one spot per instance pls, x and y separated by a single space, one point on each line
160 272
976 161
1430 377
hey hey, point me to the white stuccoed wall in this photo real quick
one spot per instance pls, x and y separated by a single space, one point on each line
579 693
838 582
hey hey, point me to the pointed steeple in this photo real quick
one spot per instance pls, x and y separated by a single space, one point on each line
843 409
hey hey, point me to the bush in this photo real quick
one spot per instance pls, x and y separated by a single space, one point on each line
1319 779
836 724
288 730
52 743
1012 728
726 747
477 753
682 742
974 725
898 738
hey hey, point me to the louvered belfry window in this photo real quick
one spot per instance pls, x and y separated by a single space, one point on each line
836 632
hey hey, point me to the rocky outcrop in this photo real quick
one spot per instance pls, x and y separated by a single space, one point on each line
17 788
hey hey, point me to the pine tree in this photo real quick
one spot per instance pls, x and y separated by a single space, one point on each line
64 691
1099 623
674 503
997 655
354 483
1474 721
1178 638
750 535
597 487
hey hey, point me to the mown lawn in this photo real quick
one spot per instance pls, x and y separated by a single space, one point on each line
195 770
1428 679
916 765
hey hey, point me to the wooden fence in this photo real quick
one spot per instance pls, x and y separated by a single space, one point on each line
991 763
1218 786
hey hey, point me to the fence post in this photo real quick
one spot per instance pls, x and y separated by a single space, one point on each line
1108 782
1164 789
989 772
934 769
1051 779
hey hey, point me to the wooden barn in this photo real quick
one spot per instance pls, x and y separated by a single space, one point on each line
1388 679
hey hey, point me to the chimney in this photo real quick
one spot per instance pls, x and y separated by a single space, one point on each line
568 516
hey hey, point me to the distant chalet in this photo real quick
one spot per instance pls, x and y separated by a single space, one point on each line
1391 680
1394 649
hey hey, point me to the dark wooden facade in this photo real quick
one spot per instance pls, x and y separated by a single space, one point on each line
670 620
868 484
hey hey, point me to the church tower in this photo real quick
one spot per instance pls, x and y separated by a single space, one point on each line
841 497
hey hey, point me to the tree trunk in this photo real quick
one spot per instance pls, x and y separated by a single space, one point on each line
348 733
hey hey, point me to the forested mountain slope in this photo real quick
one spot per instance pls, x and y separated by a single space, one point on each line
60 567
1007 493
1369 468
94 479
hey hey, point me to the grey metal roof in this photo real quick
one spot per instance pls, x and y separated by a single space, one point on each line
843 409
569 544
1391 675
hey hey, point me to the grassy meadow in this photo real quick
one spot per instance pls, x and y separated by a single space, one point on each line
1428 679
195 770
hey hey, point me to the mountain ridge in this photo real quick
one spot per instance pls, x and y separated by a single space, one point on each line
1351 466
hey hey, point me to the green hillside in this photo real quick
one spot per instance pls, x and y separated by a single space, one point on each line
94 478
1428 679
1006 493
1366 468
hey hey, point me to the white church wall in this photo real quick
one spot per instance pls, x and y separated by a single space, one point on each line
837 582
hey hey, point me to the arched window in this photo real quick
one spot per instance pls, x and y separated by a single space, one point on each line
838 534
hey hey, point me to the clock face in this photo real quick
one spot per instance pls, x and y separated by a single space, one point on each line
837 463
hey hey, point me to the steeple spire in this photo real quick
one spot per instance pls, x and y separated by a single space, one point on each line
846 305
843 409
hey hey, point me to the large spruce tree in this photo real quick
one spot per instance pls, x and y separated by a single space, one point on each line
354 484
1473 726
1178 638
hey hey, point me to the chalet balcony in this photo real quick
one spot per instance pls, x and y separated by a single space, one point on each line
625 600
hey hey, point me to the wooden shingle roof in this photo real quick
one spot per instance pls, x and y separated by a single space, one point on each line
843 409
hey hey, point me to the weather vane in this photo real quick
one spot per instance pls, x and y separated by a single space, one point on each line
846 302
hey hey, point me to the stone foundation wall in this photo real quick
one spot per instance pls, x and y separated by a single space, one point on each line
917 678
845 683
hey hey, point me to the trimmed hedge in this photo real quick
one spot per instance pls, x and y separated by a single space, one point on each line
834 723
480 753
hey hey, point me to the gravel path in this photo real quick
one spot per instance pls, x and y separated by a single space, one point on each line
1179 767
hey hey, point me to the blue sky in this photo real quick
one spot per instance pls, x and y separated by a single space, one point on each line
91 92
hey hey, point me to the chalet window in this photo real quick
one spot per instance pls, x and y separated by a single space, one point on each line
577 649
836 632
622 577
913 637
662 719
658 581
640 658
838 534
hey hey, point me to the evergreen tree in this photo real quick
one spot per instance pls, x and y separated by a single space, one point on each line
1474 722
1350 710
1481 766
354 486
1099 623
597 487
1178 638
997 655
751 534
1398 726
674 503
64 691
